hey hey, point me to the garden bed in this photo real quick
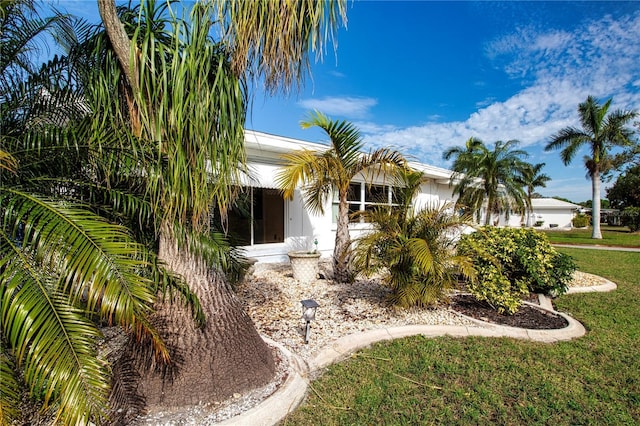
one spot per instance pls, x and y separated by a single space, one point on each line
529 317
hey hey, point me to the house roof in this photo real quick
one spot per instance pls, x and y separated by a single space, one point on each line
267 148
552 203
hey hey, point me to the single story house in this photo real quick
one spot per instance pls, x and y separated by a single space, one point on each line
267 226
548 213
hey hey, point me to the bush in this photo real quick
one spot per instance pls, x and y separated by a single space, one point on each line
414 253
631 217
511 262
581 221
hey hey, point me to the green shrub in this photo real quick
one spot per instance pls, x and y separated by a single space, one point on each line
511 262
631 217
414 253
581 220
561 274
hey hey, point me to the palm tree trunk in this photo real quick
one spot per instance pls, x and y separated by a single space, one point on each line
487 218
342 250
225 356
595 205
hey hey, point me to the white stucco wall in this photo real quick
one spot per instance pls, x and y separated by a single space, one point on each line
303 227
562 218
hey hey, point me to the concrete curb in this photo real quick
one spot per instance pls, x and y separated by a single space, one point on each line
293 391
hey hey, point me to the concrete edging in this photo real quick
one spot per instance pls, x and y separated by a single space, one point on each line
287 398
283 401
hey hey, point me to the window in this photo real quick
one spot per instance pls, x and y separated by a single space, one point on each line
257 217
362 196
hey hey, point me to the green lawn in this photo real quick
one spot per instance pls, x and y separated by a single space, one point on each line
591 380
611 236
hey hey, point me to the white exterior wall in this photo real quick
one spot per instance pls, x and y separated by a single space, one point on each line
558 213
302 227
562 218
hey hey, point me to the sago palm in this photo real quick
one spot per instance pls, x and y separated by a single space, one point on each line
65 269
70 264
485 177
413 250
320 173
601 131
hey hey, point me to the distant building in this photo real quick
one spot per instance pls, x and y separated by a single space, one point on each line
548 213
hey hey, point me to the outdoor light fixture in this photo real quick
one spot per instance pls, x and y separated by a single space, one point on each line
309 307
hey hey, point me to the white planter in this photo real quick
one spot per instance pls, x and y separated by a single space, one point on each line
304 265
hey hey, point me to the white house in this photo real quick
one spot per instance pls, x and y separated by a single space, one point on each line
269 226
549 213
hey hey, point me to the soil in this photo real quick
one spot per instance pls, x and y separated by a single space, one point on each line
526 317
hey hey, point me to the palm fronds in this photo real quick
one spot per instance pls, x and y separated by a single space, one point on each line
414 251
253 31
321 173
601 130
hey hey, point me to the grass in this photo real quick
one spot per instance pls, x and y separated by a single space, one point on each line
592 380
611 236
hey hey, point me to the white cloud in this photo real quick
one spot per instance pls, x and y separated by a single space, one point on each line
348 107
337 74
601 58
368 127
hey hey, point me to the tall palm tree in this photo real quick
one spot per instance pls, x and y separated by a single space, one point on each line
414 251
488 177
181 104
333 169
599 133
532 178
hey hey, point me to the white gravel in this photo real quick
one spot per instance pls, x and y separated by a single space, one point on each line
271 296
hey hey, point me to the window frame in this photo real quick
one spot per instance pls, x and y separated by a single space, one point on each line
251 195
364 201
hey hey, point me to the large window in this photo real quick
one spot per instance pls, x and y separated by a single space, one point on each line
257 217
362 196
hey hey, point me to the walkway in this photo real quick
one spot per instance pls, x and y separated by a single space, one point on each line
292 392
598 247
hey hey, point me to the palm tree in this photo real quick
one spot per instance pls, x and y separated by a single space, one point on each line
322 172
488 177
414 251
599 133
64 260
179 103
66 268
532 178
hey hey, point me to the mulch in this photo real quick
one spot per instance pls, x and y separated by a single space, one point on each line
526 317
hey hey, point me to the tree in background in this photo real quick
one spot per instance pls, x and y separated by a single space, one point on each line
564 199
320 173
625 192
490 178
532 178
600 132
604 203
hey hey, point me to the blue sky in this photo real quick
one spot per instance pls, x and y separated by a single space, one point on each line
424 76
